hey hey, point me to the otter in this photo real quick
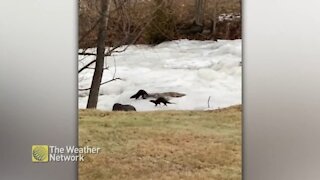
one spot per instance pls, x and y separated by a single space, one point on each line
161 100
123 107
141 93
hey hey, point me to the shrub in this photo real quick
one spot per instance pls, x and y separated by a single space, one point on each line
162 26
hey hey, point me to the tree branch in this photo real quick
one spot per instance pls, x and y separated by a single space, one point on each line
87 54
106 68
86 66
114 79
110 81
90 30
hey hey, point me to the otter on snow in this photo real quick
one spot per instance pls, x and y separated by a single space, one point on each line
141 93
161 100
123 107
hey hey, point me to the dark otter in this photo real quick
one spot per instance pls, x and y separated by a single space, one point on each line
123 107
160 100
141 93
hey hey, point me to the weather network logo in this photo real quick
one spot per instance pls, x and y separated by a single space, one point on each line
40 153
49 153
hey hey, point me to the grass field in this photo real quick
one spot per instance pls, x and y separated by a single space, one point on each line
162 145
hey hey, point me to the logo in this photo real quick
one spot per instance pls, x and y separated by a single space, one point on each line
51 153
40 153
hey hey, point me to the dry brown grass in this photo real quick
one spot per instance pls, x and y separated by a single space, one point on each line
162 145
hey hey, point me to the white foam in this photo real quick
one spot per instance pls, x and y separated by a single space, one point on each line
197 68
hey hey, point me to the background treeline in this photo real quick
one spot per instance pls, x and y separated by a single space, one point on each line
155 21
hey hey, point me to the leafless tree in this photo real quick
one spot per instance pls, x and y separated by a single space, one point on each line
101 44
199 12
214 20
130 36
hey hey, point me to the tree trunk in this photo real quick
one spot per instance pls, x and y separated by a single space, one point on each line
227 36
101 43
214 21
199 12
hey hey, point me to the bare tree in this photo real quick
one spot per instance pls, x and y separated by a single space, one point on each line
214 20
101 44
198 22
130 36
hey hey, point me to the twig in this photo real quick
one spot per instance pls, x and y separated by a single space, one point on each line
86 66
209 101
110 81
101 84
106 68
115 67
90 30
87 54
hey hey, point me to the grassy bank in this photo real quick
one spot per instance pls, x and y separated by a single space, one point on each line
162 145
